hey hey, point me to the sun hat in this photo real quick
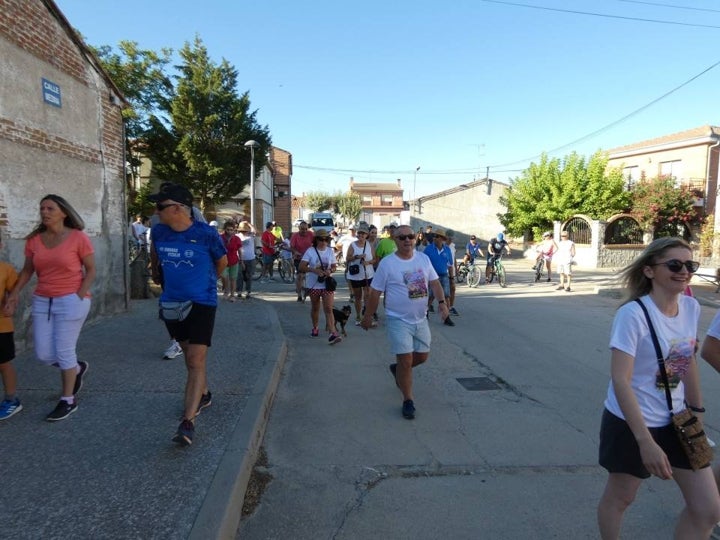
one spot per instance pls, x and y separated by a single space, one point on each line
244 227
441 233
363 228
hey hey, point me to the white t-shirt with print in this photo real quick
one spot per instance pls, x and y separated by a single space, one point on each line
405 283
677 336
327 257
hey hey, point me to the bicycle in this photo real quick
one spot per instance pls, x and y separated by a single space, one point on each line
475 273
539 266
286 269
497 269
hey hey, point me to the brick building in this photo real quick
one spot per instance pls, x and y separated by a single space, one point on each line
60 132
281 165
381 202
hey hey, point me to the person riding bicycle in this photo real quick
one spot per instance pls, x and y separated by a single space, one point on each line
472 250
546 249
495 251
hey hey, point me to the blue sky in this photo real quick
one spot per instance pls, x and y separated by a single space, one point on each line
374 89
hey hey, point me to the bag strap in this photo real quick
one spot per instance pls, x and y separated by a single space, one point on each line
319 258
658 352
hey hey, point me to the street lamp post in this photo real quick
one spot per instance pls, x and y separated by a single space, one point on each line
252 145
415 180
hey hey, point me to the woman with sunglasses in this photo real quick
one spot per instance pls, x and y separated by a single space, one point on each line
359 262
637 438
318 262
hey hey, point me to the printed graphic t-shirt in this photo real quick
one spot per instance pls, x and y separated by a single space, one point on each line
677 336
187 259
405 283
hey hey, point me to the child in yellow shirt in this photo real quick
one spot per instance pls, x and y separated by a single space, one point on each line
10 404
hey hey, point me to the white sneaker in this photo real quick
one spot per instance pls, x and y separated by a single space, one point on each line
173 351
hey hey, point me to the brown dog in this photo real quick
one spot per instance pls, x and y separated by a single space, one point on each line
341 316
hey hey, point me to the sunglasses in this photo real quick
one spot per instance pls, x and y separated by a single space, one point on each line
161 206
405 237
322 238
675 266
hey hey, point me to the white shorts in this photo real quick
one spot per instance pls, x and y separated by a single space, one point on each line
565 268
406 337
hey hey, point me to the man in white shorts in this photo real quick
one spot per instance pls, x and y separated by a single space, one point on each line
564 259
405 277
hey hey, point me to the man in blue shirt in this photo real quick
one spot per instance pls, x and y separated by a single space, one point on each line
191 257
442 261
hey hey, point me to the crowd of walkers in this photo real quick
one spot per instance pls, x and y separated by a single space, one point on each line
654 376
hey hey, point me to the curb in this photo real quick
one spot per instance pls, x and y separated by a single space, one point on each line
219 516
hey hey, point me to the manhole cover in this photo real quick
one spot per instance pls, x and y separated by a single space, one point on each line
476 384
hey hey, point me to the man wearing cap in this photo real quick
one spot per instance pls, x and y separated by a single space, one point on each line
299 244
472 250
405 277
192 257
441 259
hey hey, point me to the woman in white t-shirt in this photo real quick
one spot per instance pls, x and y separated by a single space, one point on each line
360 270
637 438
318 262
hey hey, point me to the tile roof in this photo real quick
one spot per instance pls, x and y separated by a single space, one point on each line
689 134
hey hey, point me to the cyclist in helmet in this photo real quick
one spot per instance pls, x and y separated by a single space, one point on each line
546 249
495 251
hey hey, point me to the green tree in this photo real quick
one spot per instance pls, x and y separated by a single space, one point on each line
556 189
660 205
350 206
319 201
212 124
140 74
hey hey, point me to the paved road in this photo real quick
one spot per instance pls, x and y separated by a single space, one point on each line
516 461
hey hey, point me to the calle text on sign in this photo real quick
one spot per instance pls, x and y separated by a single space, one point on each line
51 93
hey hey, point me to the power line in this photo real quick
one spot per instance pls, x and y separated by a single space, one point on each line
546 8
615 123
670 6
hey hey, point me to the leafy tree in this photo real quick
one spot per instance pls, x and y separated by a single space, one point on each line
140 75
659 205
556 189
350 206
319 201
211 124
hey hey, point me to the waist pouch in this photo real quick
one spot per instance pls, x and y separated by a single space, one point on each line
175 311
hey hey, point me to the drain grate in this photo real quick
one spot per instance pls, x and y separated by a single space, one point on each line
478 384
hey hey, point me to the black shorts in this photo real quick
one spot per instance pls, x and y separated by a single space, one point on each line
360 283
197 328
7 347
619 451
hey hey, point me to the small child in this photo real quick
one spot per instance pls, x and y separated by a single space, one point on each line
10 404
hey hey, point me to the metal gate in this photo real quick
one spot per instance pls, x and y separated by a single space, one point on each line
579 230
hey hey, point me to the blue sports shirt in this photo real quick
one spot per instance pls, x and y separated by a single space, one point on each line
187 259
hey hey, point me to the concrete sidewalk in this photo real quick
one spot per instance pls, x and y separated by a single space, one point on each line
111 469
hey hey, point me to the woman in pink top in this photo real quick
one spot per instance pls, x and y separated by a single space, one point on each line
61 256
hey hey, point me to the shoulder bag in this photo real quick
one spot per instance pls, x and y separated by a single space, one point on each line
688 427
329 281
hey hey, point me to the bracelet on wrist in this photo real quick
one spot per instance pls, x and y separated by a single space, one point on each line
441 301
696 409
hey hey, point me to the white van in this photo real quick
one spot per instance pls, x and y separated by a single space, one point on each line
322 221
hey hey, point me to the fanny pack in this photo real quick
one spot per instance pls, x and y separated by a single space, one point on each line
175 311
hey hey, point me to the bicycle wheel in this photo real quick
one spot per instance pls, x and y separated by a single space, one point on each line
539 270
461 274
500 269
257 269
491 275
473 277
286 271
